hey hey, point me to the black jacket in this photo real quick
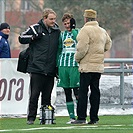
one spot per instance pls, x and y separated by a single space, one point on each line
43 51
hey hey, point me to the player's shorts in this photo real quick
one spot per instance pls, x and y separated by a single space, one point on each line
68 77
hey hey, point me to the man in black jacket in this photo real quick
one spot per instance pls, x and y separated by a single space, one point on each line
43 43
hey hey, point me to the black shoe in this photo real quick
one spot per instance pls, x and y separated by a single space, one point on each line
30 122
93 122
79 122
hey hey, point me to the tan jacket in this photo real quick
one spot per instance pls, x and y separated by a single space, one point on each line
93 41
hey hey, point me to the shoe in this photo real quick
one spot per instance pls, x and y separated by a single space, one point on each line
79 122
30 122
93 122
71 120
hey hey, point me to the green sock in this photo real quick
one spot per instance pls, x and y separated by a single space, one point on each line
70 108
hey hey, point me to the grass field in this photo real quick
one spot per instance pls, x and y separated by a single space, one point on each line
107 124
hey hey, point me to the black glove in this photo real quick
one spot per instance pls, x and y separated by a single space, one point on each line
72 23
37 36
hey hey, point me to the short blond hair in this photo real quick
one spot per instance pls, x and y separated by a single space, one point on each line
47 11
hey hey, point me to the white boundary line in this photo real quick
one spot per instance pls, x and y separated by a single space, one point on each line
79 127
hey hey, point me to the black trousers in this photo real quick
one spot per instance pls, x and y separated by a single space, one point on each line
89 80
68 93
39 83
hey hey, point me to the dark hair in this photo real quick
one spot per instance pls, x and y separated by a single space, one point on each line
67 16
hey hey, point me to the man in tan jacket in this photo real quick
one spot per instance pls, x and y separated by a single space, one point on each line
93 41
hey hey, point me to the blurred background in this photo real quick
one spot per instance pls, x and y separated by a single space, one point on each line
113 15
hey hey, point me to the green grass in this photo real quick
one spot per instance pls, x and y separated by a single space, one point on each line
107 124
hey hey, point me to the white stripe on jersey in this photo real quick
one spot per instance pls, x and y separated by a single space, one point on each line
32 27
65 60
26 31
26 36
61 60
69 59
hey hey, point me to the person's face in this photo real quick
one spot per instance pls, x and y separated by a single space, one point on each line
50 20
6 31
66 24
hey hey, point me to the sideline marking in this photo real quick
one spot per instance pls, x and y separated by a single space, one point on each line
95 127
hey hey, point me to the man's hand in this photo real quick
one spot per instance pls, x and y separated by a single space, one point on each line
37 36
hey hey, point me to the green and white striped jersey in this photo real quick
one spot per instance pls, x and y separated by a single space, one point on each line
67 48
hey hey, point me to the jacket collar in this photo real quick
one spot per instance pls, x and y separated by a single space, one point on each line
4 35
91 23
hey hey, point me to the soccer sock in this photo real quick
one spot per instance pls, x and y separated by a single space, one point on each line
70 108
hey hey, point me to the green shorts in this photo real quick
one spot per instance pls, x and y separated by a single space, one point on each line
68 77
